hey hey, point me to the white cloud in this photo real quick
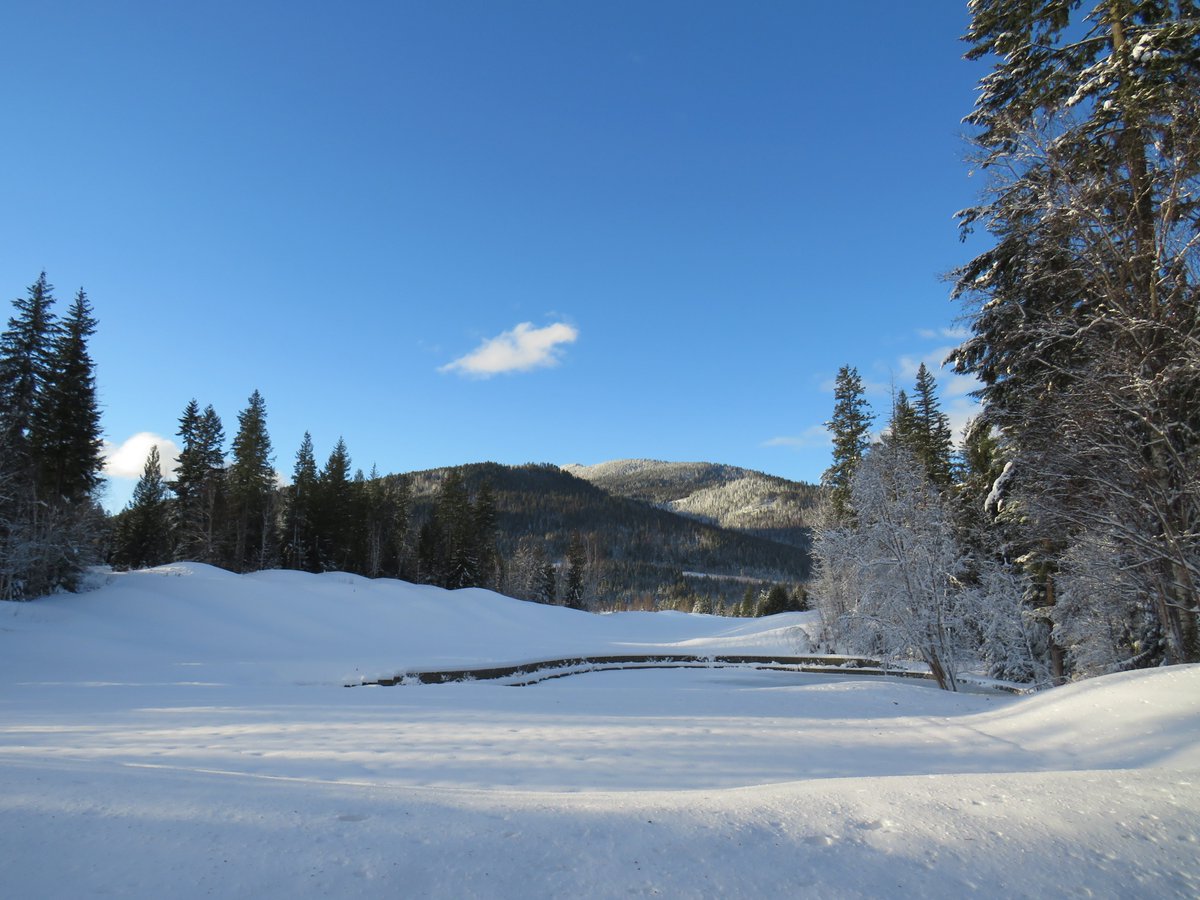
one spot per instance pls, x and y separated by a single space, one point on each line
813 436
128 459
519 350
954 334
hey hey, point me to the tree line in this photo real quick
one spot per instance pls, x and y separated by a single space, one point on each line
1064 541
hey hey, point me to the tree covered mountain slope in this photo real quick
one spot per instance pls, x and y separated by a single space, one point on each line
739 499
636 551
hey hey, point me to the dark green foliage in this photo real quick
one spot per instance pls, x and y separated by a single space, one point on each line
335 511
457 543
576 566
199 487
384 517
299 533
902 428
26 352
849 427
779 600
934 441
251 492
545 588
50 524
66 433
923 429
142 535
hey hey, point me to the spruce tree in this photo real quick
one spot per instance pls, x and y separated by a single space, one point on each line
483 536
902 427
576 566
67 413
26 354
1084 326
251 489
933 437
335 510
50 524
849 428
199 486
143 530
299 543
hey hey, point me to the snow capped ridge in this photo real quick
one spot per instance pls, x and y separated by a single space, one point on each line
728 496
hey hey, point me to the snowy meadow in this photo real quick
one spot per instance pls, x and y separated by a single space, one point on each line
184 731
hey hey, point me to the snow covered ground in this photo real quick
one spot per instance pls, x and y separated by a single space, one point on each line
184 732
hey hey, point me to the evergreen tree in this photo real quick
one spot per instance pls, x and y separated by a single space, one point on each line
902 428
546 584
67 413
1084 330
199 486
576 566
849 427
251 491
26 364
385 511
457 518
143 531
432 555
300 512
933 437
50 525
483 536
335 510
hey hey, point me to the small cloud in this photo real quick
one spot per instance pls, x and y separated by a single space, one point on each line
519 350
813 436
128 459
937 334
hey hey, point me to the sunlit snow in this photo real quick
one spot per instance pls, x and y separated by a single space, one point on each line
184 732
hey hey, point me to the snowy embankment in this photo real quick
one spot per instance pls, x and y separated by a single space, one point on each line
183 732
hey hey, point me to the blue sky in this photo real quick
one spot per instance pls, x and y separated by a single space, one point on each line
513 231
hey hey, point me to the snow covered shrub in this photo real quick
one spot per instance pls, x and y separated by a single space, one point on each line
888 578
1102 619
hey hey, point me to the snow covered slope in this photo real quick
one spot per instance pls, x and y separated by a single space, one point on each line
182 732
739 499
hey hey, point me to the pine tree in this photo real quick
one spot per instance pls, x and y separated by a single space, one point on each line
546 584
1084 327
483 536
251 490
849 427
299 518
50 524
199 486
934 440
26 353
576 566
902 427
67 413
432 554
335 510
385 512
143 531
457 519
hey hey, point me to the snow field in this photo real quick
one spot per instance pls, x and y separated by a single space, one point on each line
182 732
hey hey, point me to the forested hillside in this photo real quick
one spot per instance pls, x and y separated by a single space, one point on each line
636 553
739 499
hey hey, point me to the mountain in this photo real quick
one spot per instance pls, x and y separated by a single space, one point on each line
639 553
743 500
